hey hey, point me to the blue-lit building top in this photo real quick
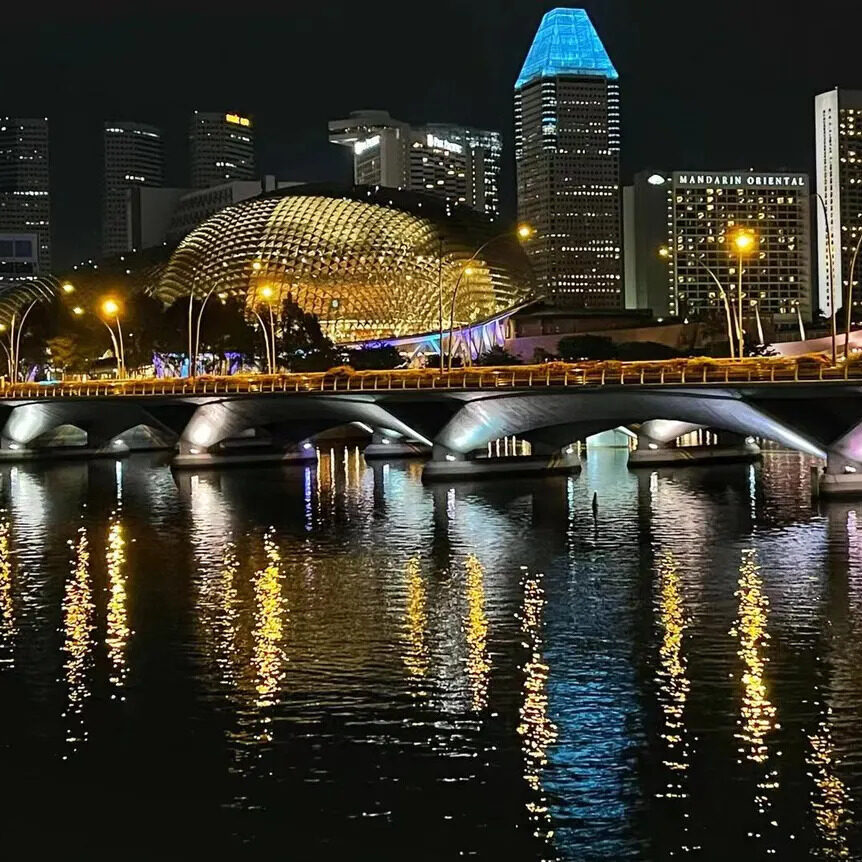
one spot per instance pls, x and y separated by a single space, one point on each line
566 44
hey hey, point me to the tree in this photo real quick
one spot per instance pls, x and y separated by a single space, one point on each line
300 342
374 358
639 351
498 356
574 347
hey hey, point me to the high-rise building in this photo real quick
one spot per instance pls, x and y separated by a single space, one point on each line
134 156
567 145
221 148
455 163
679 241
25 201
838 157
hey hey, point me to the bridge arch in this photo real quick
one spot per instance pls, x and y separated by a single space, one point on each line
486 418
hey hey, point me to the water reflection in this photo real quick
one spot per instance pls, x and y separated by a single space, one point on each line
757 713
340 666
416 626
478 663
537 730
78 625
673 688
830 798
268 656
118 631
7 607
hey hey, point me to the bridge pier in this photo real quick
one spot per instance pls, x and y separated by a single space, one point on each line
446 465
841 478
242 452
729 448
385 446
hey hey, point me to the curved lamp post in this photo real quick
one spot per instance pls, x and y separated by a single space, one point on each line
664 251
46 287
111 308
743 242
831 262
848 300
523 232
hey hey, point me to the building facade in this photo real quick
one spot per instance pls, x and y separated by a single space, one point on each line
567 145
221 148
682 241
25 199
838 159
454 163
134 156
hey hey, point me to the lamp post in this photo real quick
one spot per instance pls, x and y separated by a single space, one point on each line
799 320
664 251
111 308
756 306
848 300
523 232
269 294
743 242
831 270
47 288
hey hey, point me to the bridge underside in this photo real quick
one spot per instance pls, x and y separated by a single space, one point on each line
825 421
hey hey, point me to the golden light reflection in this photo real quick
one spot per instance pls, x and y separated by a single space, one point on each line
478 663
416 624
118 631
830 799
757 714
7 607
226 624
268 656
673 683
78 625
537 731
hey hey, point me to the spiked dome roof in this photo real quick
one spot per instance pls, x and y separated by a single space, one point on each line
566 43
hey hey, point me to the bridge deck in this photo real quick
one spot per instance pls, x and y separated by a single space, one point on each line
671 373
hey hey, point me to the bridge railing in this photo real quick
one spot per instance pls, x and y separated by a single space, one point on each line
554 374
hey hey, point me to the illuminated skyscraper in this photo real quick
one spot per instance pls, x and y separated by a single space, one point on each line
567 143
25 210
455 163
838 156
221 148
134 156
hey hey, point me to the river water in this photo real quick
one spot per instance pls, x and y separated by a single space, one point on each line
338 662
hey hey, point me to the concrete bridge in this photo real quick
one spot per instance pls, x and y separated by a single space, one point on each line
208 420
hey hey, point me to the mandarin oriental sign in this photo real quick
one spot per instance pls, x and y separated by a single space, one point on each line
796 181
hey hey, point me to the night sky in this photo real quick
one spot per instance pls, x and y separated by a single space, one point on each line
704 85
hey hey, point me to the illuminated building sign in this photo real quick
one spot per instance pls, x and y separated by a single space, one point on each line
237 120
739 180
361 146
443 144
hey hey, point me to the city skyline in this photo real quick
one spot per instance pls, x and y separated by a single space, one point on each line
671 110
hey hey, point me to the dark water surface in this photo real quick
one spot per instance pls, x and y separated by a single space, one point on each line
340 663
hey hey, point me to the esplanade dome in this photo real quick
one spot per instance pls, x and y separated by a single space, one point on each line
369 262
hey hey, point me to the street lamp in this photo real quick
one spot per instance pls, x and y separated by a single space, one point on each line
111 308
524 232
664 252
756 306
743 243
268 294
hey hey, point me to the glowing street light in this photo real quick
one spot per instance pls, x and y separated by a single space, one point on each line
523 232
111 308
664 252
743 241
68 287
77 311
